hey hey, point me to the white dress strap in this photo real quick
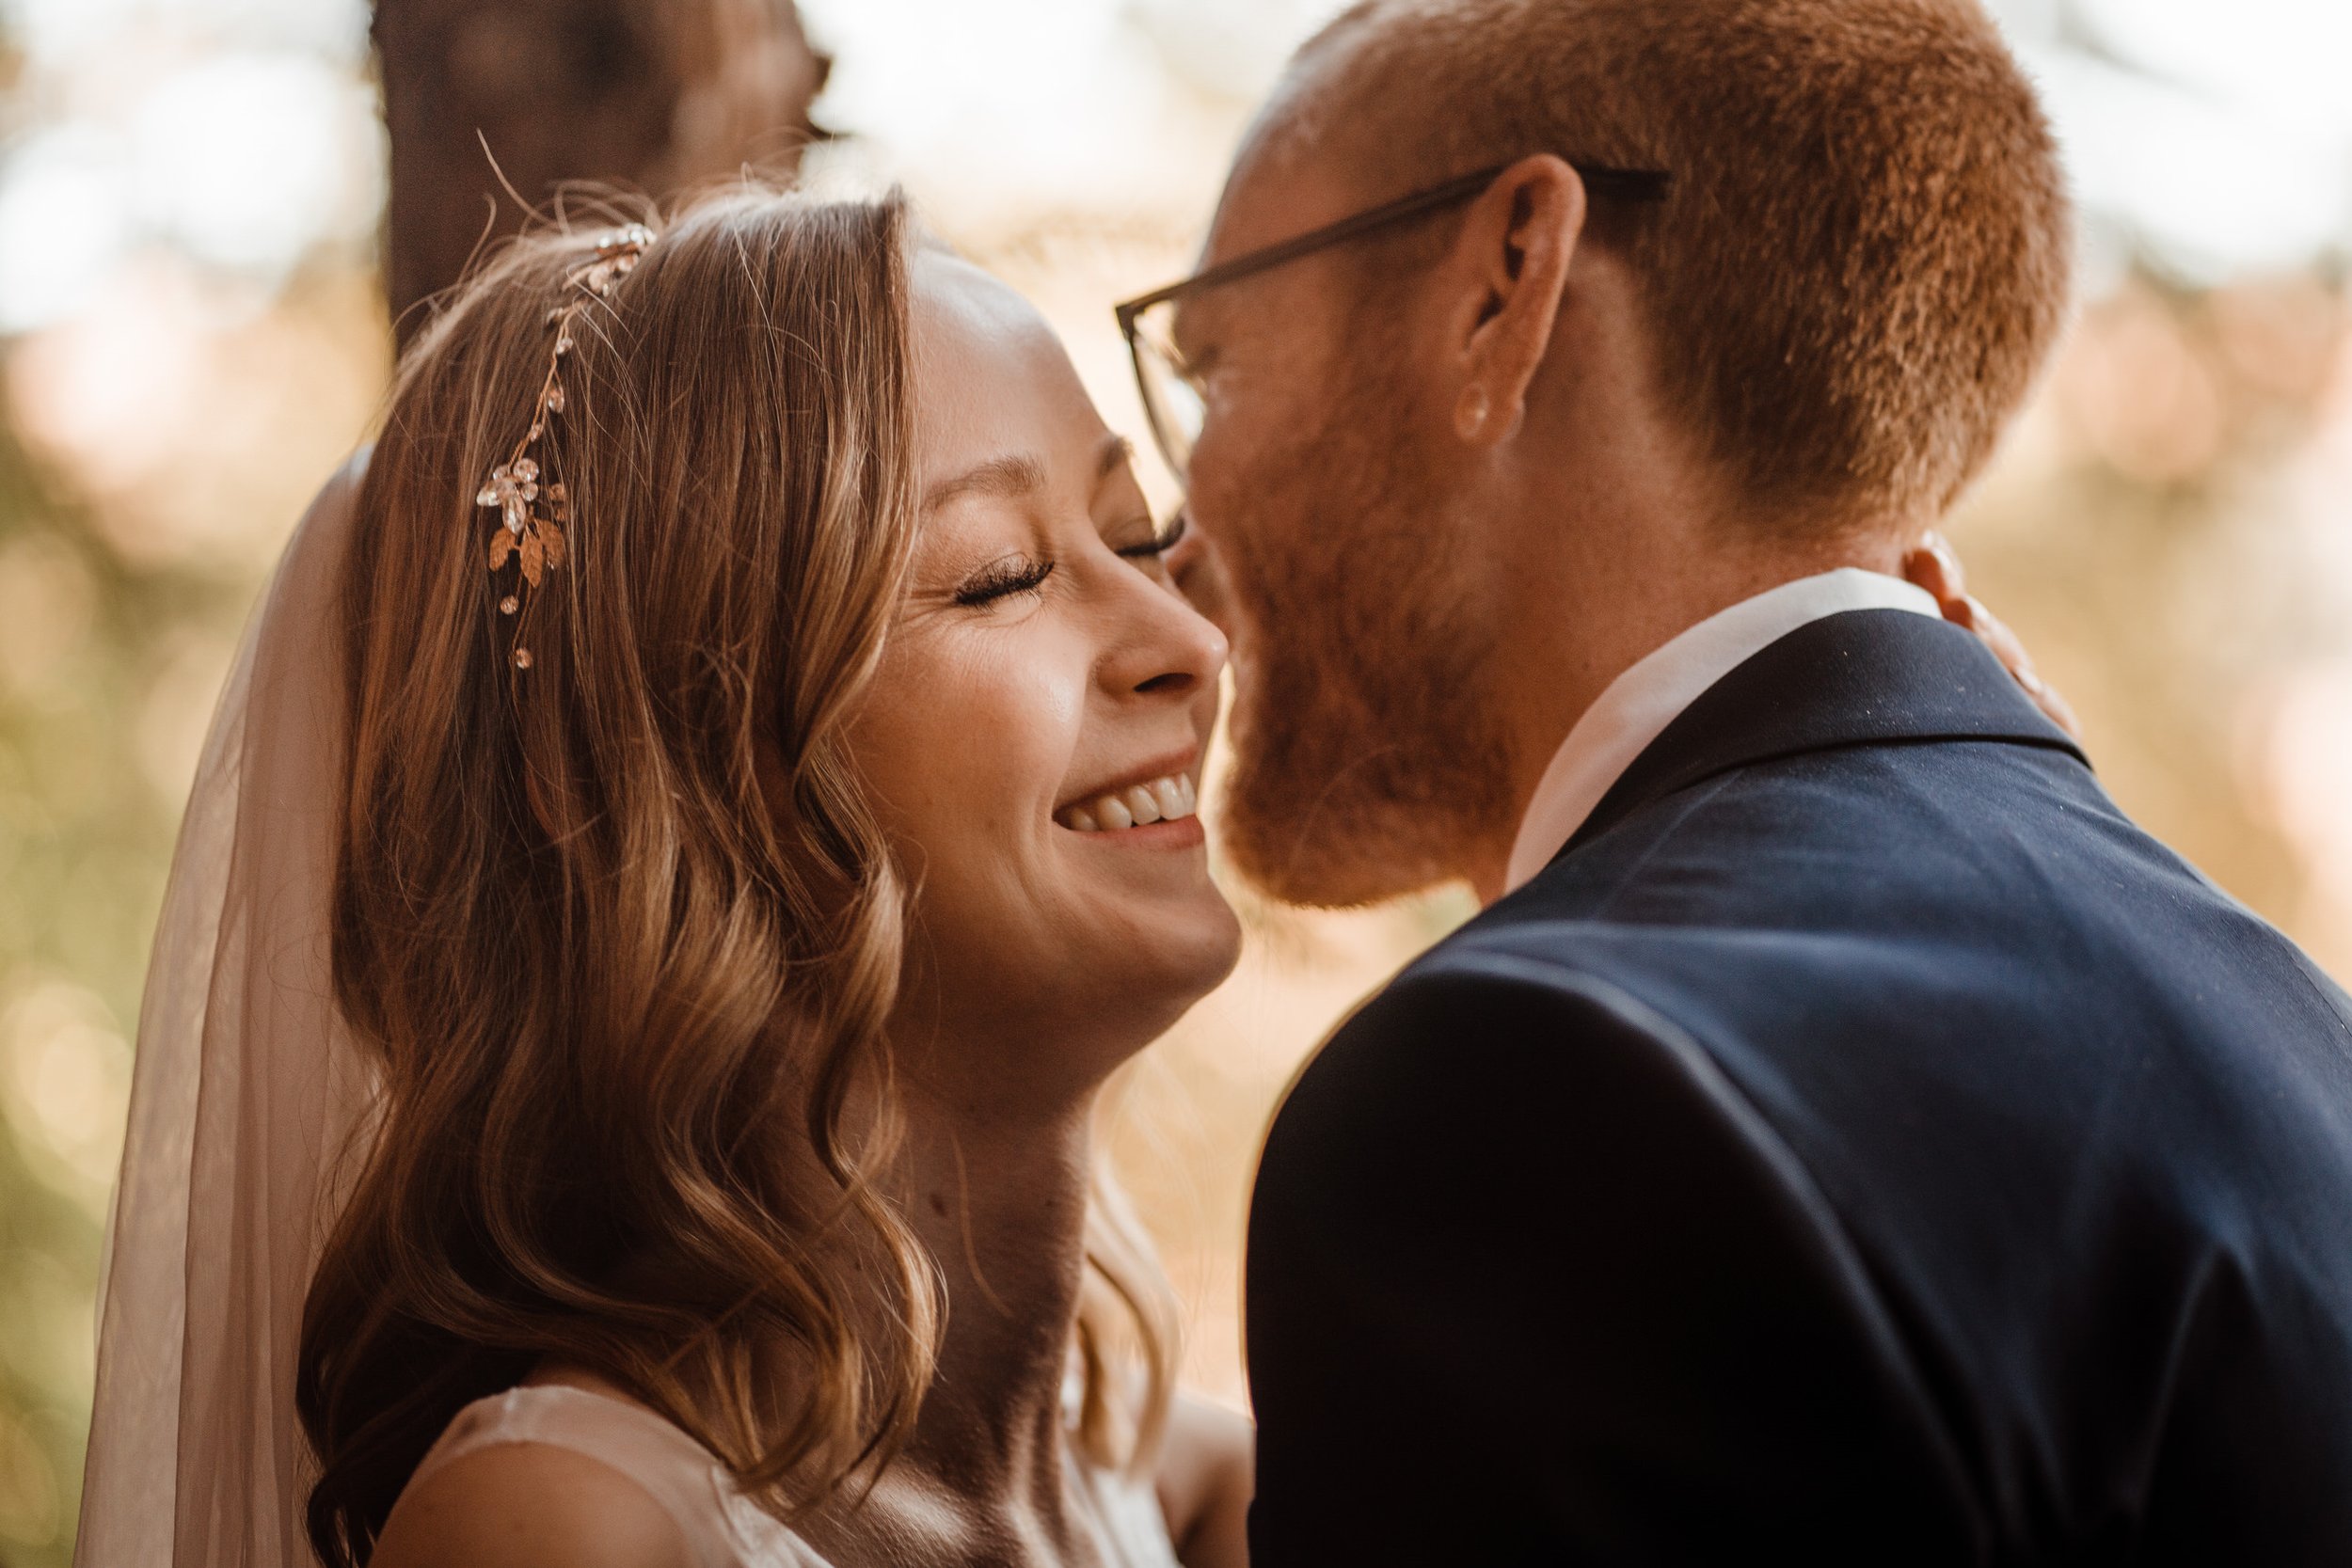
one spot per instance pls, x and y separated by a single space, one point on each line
722 1530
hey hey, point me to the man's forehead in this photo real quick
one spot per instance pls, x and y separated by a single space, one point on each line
1292 173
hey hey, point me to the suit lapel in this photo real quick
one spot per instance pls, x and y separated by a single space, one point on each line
1865 678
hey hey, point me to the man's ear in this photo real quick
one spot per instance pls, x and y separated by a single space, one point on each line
1515 250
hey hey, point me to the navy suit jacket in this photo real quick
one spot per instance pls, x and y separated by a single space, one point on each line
1861 1144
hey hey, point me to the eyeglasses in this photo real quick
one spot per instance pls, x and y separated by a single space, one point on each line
1171 393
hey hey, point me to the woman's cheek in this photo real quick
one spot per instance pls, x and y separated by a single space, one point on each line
952 741
1026 700
970 739
902 741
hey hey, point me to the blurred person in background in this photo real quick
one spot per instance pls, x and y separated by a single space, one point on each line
1844 1134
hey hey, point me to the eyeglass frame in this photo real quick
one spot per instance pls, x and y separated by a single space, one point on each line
1632 185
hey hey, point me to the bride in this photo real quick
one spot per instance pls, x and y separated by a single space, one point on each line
703 809
700 818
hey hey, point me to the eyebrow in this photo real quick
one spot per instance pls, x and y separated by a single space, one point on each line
1013 476
1019 474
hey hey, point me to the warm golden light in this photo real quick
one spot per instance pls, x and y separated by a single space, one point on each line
192 338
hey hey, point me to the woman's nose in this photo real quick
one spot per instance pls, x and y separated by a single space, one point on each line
1167 648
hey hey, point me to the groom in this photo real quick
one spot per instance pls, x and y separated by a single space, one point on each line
1844 1137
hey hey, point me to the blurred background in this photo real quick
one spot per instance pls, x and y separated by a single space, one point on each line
195 328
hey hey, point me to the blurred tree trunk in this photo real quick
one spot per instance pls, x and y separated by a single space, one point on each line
650 95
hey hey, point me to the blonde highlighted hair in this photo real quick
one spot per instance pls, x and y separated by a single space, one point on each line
619 930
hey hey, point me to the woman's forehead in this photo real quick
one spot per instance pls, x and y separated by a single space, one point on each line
960 309
991 375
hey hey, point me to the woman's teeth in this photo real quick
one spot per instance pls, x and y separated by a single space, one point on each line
1138 805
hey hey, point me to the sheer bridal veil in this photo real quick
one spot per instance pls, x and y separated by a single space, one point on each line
244 1093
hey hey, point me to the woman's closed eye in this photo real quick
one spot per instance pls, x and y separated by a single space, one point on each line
1015 575
1002 579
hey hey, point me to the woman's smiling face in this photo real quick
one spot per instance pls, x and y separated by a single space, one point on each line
1035 734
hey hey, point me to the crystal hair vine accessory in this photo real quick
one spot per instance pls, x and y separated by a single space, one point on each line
529 534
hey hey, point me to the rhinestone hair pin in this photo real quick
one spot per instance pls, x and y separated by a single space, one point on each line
532 516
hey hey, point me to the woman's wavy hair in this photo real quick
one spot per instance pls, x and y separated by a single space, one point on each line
619 931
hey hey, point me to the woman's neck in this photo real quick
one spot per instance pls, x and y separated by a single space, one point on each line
1000 1202
1003 1208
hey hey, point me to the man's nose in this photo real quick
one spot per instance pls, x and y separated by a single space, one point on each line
1199 572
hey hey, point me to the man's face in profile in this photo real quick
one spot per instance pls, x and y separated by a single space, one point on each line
1318 503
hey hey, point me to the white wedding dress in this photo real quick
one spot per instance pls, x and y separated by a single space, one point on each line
247 1099
723 1529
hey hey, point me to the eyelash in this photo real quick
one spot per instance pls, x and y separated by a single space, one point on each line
1003 580
1016 575
1162 543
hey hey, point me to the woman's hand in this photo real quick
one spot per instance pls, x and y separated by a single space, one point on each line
1935 569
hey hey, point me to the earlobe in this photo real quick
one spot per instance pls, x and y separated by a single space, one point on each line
1471 413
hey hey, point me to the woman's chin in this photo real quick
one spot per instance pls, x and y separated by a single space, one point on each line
1176 958
1212 957
1220 952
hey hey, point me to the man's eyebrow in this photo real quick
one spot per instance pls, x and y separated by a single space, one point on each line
1013 476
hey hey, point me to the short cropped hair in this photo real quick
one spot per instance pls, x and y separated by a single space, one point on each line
1865 258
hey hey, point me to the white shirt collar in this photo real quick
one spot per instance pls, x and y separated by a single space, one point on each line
1640 704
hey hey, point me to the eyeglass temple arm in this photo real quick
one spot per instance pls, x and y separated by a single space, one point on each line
1636 184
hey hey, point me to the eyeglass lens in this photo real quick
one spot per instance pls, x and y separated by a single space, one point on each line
1170 402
